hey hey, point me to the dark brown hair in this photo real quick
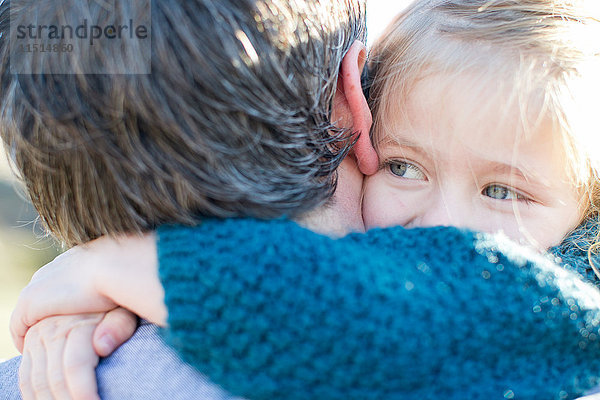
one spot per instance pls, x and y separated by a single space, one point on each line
234 119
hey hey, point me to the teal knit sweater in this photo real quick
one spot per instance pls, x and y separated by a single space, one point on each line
270 310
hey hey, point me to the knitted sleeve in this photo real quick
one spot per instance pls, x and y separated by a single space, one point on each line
270 310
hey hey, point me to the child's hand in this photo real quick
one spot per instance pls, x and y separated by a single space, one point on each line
61 287
96 277
59 359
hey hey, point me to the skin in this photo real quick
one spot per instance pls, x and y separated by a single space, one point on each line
441 163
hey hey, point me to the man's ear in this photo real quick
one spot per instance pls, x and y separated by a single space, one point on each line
351 109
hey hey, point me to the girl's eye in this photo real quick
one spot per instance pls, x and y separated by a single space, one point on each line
406 170
499 192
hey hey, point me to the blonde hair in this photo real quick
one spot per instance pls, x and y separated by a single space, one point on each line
544 54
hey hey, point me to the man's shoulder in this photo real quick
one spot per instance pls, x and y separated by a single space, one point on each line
156 369
9 380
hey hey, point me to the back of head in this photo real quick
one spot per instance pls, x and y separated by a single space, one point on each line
234 119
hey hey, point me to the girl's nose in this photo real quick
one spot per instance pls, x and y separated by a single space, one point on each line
438 214
445 208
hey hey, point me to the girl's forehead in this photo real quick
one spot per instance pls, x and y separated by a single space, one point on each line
468 104
464 119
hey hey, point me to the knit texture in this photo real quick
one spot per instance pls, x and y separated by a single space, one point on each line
270 310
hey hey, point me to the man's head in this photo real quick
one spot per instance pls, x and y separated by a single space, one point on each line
234 120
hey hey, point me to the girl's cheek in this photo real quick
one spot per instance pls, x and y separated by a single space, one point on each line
383 207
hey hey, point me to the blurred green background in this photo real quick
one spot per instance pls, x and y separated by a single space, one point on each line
22 249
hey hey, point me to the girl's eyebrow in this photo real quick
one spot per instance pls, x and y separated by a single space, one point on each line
530 179
396 139
398 142
499 167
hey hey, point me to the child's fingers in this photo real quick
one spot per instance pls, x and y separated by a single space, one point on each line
55 348
80 361
33 305
18 329
116 328
23 316
25 377
32 372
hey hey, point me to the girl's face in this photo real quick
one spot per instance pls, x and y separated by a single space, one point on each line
453 155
